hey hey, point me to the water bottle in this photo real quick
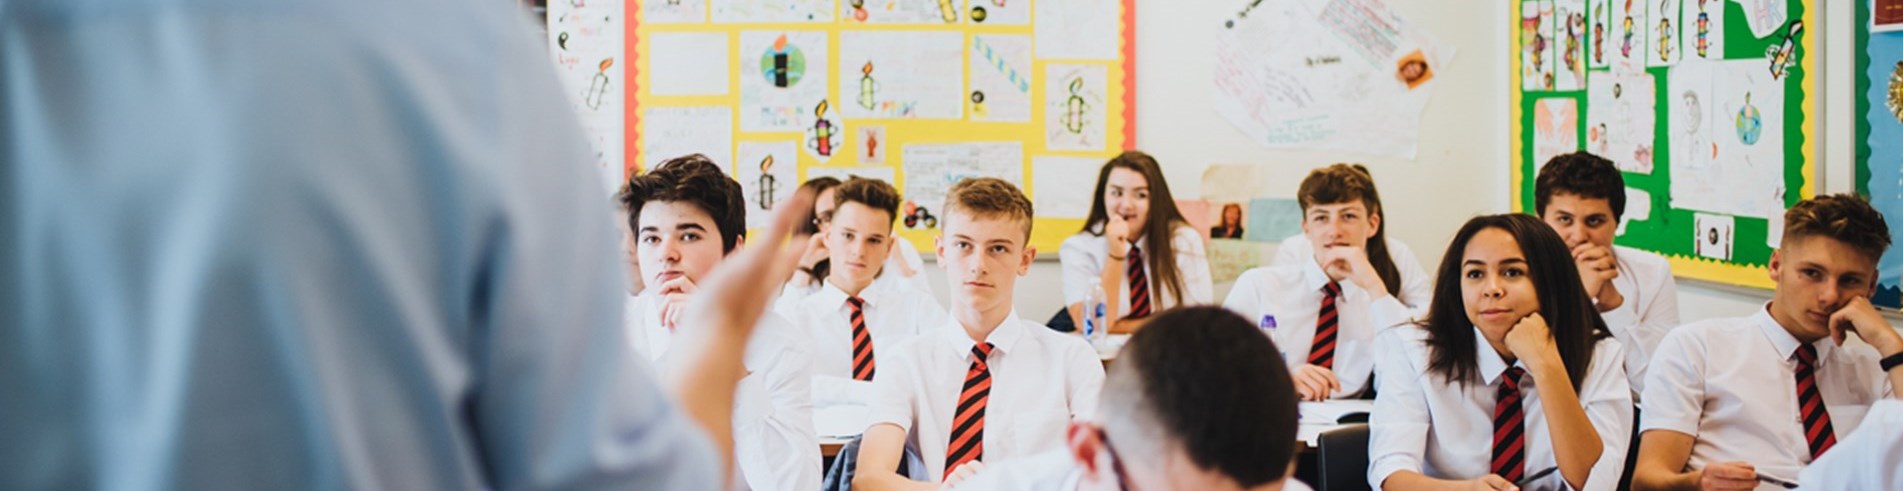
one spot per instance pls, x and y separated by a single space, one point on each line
1095 311
1267 325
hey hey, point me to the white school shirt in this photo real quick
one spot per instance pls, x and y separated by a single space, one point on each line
1650 309
1083 256
1424 423
1730 384
892 316
1053 470
1040 380
1868 459
1417 288
775 444
1290 298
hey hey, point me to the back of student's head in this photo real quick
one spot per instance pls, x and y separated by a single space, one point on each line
1563 300
1580 174
871 193
990 198
695 180
1844 217
1203 380
1336 184
1159 224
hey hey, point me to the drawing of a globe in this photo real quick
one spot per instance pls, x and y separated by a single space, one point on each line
1750 124
783 66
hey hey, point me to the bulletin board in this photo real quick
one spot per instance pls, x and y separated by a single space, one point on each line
1708 106
1879 123
920 93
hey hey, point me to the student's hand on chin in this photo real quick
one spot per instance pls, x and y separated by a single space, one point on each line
1314 383
815 251
1861 317
1531 340
675 293
1117 230
1596 267
962 473
1728 476
1492 482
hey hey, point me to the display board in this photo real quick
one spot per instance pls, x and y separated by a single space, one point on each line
1879 122
1708 106
921 93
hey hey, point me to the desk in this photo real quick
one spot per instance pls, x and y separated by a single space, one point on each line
829 446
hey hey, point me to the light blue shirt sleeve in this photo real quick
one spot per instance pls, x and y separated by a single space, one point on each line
334 245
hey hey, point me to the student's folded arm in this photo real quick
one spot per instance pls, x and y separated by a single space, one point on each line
1398 425
879 453
1607 397
1674 395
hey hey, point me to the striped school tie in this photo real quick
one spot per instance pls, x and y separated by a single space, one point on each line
862 362
1509 435
1139 284
968 426
1321 352
1810 404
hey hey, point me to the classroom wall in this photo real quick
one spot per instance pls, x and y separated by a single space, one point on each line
1462 167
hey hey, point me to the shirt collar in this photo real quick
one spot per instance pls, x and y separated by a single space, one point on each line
1003 339
833 296
1782 340
1491 364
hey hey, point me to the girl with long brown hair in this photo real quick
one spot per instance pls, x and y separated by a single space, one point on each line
1136 246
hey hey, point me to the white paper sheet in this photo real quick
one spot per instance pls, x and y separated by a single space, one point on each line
841 406
1621 118
1287 78
672 11
782 79
1740 169
1537 46
688 63
1555 128
1075 106
1061 186
880 172
902 11
1665 47
1713 235
998 12
1629 31
1328 412
669 132
772 11
1702 29
1077 29
1765 16
1600 47
586 42
1570 36
1000 77
932 169
894 74
768 174
1638 207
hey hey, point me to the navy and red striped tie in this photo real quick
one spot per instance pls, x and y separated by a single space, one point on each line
968 423
1810 404
1509 428
1139 284
1321 352
862 362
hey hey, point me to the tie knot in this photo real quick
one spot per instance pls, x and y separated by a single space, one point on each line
1136 255
1332 289
856 302
1807 355
981 351
1511 379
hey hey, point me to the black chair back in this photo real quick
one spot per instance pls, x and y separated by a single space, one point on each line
1342 455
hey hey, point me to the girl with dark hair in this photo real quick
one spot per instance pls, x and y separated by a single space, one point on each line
1324 307
1136 246
1512 380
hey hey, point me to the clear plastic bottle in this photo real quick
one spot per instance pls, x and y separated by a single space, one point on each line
1095 311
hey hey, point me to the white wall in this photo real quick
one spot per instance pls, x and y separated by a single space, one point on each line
1463 165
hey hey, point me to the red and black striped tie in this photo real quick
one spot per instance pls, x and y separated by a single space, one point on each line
1509 435
1321 352
1810 403
862 362
968 424
1139 284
